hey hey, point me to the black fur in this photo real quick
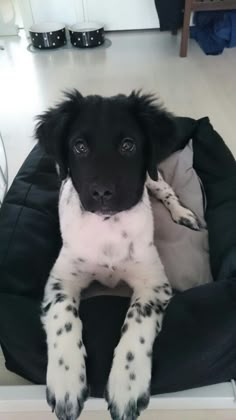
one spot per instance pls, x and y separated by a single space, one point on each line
113 181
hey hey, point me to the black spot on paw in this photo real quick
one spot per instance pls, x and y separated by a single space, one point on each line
130 314
149 353
130 356
132 376
168 291
188 223
116 219
80 344
143 401
75 312
60 361
67 367
60 297
56 286
72 309
55 345
68 326
160 306
138 320
124 234
124 328
81 260
127 367
55 317
106 218
50 398
45 308
142 340
82 378
59 332
73 300
147 310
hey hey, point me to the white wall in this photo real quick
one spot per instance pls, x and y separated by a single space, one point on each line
114 14
66 11
123 14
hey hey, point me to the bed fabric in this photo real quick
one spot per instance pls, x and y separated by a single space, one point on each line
197 345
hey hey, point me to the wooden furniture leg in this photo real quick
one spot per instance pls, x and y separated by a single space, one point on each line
185 30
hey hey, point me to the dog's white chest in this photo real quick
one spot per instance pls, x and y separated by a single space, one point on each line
100 239
105 245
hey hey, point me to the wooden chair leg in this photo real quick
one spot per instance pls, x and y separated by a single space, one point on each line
185 30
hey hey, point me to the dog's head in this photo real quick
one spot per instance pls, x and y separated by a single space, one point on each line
107 145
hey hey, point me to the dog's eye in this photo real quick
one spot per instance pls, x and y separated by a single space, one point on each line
127 146
80 147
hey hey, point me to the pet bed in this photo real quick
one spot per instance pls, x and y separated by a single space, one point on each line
197 345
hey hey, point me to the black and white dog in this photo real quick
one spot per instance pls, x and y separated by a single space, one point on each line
107 151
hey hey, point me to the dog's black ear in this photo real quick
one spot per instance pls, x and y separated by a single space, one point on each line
158 127
52 129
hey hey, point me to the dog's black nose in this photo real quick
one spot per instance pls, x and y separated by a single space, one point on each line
102 192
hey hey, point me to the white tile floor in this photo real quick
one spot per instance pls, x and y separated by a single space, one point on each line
196 86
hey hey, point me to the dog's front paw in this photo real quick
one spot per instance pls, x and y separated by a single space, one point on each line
68 406
128 389
131 410
67 386
185 217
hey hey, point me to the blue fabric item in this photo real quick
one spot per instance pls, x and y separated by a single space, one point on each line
214 31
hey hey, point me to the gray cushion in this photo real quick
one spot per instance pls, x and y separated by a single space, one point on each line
184 252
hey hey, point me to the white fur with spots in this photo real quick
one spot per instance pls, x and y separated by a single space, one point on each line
108 249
